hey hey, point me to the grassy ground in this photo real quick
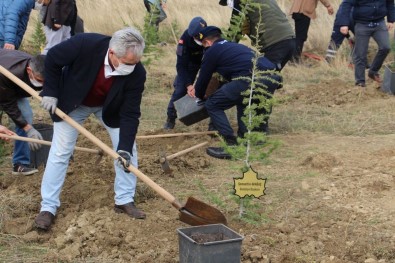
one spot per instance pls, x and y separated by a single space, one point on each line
336 145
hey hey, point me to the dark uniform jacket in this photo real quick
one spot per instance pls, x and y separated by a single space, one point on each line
71 68
189 59
16 62
367 11
230 60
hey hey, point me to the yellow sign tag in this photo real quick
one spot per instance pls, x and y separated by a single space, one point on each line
249 185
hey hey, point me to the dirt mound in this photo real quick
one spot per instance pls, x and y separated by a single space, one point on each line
322 161
334 93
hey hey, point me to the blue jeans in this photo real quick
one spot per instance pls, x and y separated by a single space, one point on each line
63 142
363 32
21 149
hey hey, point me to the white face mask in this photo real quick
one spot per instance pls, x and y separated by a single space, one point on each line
38 6
35 83
198 42
230 3
124 69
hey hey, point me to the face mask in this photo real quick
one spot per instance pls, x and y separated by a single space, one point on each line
230 3
38 6
198 42
35 83
124 69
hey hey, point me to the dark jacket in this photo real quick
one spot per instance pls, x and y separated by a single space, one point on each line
14 16
230 60
189 59
366 11
71 68
339 15
16 62
62 12
275 26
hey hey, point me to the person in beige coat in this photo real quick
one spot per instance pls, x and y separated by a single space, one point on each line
302 12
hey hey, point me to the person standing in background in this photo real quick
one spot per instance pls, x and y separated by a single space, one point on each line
57 18
302 12
155 8
337 37
276 39
369 22
14 17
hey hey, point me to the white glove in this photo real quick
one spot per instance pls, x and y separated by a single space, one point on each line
49 103
34 134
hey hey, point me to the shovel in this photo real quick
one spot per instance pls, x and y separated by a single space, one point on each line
194 212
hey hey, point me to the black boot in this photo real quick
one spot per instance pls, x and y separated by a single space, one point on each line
169 124
219 152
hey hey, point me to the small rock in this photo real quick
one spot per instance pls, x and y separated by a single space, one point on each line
370 260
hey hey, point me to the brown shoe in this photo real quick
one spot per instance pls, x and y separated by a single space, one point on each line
130 209
375 76
44 220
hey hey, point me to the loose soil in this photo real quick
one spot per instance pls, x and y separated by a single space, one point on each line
328 198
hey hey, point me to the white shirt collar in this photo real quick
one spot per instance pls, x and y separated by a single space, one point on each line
108 72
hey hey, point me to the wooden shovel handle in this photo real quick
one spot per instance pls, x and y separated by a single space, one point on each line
174 155
162 192
167 135
19 138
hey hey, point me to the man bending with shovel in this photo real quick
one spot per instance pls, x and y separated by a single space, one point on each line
101 75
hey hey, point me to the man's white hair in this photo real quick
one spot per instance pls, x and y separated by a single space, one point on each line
126 40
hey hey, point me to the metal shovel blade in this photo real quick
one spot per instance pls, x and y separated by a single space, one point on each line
197 213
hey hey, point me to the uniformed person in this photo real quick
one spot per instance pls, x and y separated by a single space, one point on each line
189 58
231 61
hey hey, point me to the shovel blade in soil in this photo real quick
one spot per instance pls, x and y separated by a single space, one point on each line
196 213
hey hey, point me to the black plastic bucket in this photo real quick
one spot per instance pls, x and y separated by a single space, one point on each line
40 156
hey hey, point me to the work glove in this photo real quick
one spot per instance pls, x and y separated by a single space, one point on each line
124 164
49 103
34 134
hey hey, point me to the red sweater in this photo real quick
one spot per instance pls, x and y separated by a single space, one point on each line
99 90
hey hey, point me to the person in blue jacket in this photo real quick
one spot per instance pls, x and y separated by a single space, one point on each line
232 61
337 37
189 57
14 17
110 87
369 22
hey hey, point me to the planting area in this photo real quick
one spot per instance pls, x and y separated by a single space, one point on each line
329 191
